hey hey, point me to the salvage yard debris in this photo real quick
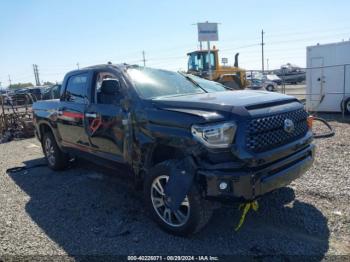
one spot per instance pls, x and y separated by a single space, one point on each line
16 117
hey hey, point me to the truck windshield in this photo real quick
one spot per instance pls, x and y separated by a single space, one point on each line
155 83
209 86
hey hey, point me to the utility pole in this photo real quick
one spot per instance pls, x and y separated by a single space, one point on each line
267 64
78 65
143 58
262 50
209 64
10 80
36 74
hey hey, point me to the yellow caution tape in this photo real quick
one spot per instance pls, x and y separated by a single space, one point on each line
254 205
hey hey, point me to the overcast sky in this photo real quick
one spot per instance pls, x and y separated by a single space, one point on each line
58 34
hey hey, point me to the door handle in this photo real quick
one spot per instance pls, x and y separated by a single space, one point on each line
91 115
60 111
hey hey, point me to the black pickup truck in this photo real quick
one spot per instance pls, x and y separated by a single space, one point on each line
189 142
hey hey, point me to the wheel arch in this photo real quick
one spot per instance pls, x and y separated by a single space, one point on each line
44 127
162 152
155 154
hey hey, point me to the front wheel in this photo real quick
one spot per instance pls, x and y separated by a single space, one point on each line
193 213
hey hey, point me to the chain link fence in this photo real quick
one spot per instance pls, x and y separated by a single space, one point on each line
321 88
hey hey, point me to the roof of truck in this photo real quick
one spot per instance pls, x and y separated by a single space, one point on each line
115 66
119 67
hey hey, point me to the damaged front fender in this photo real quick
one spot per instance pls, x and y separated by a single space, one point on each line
180 181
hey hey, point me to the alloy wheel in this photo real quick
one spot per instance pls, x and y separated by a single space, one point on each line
159 201
49 151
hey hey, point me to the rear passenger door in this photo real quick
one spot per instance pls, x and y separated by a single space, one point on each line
74 101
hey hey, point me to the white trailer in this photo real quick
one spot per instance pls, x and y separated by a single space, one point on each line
328 77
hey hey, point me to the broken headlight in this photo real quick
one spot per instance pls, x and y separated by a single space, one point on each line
215 135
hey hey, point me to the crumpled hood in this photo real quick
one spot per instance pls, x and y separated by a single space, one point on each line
221 101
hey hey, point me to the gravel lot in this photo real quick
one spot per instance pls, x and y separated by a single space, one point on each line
89 210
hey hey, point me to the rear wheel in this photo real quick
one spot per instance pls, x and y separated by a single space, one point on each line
56 159
347 106
270 88
193 213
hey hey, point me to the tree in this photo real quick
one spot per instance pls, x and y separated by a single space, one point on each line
20 85
48 83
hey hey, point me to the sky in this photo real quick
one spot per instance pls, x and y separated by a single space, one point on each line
57 35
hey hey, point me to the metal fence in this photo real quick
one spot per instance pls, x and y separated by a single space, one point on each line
16 116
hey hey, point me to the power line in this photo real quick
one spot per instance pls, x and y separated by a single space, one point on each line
308 32
167 59
285 33
307 39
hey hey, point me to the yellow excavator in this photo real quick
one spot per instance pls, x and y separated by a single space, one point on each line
231 76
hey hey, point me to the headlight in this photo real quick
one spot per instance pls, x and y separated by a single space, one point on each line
215 136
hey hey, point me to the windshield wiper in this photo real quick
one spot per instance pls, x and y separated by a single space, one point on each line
177 95
192 81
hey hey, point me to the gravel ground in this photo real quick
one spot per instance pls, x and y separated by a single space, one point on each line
89 210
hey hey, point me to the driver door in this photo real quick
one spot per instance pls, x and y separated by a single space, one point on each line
104 119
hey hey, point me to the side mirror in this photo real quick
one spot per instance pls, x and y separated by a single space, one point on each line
110 86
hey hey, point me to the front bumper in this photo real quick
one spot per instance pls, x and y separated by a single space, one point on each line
251 182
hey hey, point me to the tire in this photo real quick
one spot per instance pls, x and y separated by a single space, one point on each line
270 88
195 211
55 158
347 106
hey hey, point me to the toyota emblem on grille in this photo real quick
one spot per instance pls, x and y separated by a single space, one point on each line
288 126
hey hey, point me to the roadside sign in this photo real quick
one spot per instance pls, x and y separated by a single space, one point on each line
207 32
224 60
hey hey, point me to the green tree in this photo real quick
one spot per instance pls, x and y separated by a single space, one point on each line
20 85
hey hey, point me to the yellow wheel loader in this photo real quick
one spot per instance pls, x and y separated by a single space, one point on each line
232 77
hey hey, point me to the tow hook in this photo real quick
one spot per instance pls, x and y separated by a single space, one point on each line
246 207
